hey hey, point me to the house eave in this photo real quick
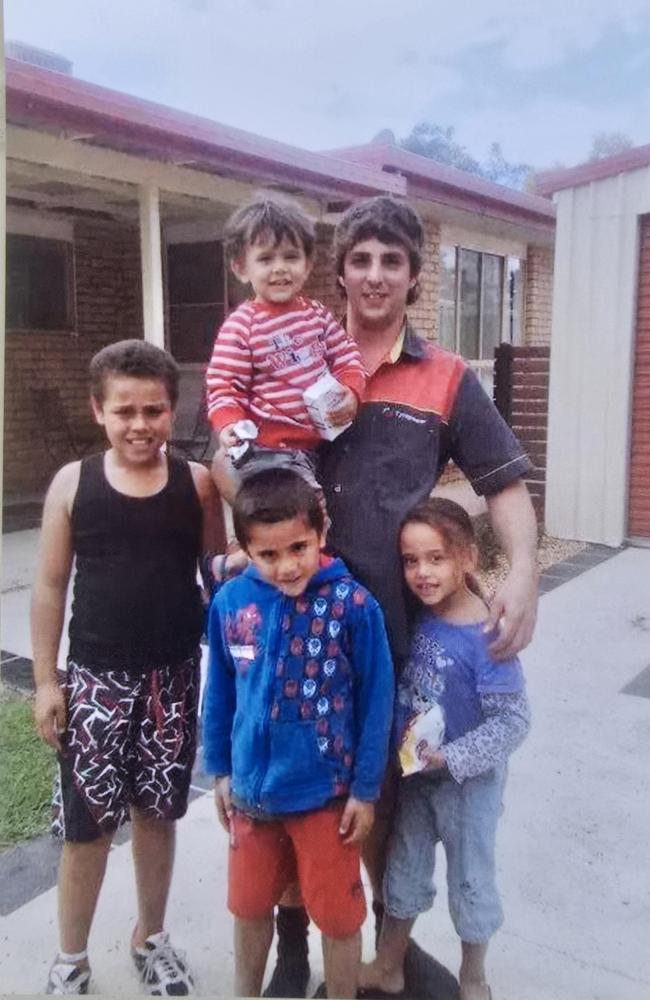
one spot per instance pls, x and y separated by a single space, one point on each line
39 98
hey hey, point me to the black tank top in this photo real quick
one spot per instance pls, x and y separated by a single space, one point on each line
136 603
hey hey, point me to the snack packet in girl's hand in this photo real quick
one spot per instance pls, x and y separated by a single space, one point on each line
425 733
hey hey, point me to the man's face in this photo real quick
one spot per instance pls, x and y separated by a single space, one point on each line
377 278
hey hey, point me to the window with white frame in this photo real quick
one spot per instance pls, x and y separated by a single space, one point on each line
39 284
481 297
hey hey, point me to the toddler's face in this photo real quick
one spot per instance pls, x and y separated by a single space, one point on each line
277 271
286 553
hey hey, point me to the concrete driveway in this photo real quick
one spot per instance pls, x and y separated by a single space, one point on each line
574 855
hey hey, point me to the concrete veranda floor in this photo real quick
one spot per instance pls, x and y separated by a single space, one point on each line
573 849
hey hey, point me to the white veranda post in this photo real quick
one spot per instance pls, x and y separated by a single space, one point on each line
150 254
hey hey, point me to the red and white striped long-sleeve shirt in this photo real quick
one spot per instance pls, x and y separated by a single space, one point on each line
264 358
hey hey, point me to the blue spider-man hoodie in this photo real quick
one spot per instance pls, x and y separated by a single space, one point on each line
299 697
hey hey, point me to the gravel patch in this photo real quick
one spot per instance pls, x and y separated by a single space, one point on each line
550 551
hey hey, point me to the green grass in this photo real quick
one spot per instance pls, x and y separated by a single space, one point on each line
26 771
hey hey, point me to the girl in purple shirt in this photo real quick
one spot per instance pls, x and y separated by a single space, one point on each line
459 716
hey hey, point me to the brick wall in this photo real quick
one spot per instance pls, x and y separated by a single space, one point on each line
108 307
322 284
521 376
424 313
538 296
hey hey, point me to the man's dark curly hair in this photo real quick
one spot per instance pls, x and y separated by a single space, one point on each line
385 219
137 358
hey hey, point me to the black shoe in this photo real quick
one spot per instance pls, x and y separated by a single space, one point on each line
291 974
424 977
289 979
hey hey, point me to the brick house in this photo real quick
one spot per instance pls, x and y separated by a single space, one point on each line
115 210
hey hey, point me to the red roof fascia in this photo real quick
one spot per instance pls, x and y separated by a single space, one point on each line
39 96
557 180
453 186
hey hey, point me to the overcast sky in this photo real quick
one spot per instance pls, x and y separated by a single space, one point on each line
541 78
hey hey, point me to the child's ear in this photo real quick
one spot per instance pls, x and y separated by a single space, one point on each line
238 268
98 411
472 557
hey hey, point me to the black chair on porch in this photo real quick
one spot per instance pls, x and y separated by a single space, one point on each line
63 439
192 432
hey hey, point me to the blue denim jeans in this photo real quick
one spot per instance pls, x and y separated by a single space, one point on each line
464 818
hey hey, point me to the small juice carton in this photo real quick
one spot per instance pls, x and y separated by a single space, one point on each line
320 398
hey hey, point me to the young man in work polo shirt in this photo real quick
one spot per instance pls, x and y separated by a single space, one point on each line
423 406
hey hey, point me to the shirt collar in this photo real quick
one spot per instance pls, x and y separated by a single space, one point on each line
408 343
395 352
411 343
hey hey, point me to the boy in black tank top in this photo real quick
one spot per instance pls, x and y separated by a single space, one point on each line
122 717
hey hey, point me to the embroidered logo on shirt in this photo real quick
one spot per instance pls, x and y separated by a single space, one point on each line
243 627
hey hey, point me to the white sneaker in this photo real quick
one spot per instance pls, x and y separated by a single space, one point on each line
163 969
67 979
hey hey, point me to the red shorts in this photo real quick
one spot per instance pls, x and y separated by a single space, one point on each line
267 857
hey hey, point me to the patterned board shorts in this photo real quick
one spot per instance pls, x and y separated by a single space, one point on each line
130 740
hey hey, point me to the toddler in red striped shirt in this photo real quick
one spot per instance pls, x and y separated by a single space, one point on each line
273 348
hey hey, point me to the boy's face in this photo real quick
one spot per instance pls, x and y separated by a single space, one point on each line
136 414
286 553
377 278
277 271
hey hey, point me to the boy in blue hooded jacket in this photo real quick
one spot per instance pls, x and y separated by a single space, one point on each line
297 716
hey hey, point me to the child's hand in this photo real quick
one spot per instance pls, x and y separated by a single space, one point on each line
356 821
233 562
50 713
435 760
227 437
345 410
223 801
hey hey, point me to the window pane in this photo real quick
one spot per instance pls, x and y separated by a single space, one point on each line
516 278
470 268
447 324
38 291
195 279
192 330
492 304
195 273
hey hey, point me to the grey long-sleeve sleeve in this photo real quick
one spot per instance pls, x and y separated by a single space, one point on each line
507 720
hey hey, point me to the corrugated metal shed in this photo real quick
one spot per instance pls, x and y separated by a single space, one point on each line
592 355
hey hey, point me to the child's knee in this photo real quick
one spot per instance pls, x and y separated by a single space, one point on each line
336 921
147 821
475 909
